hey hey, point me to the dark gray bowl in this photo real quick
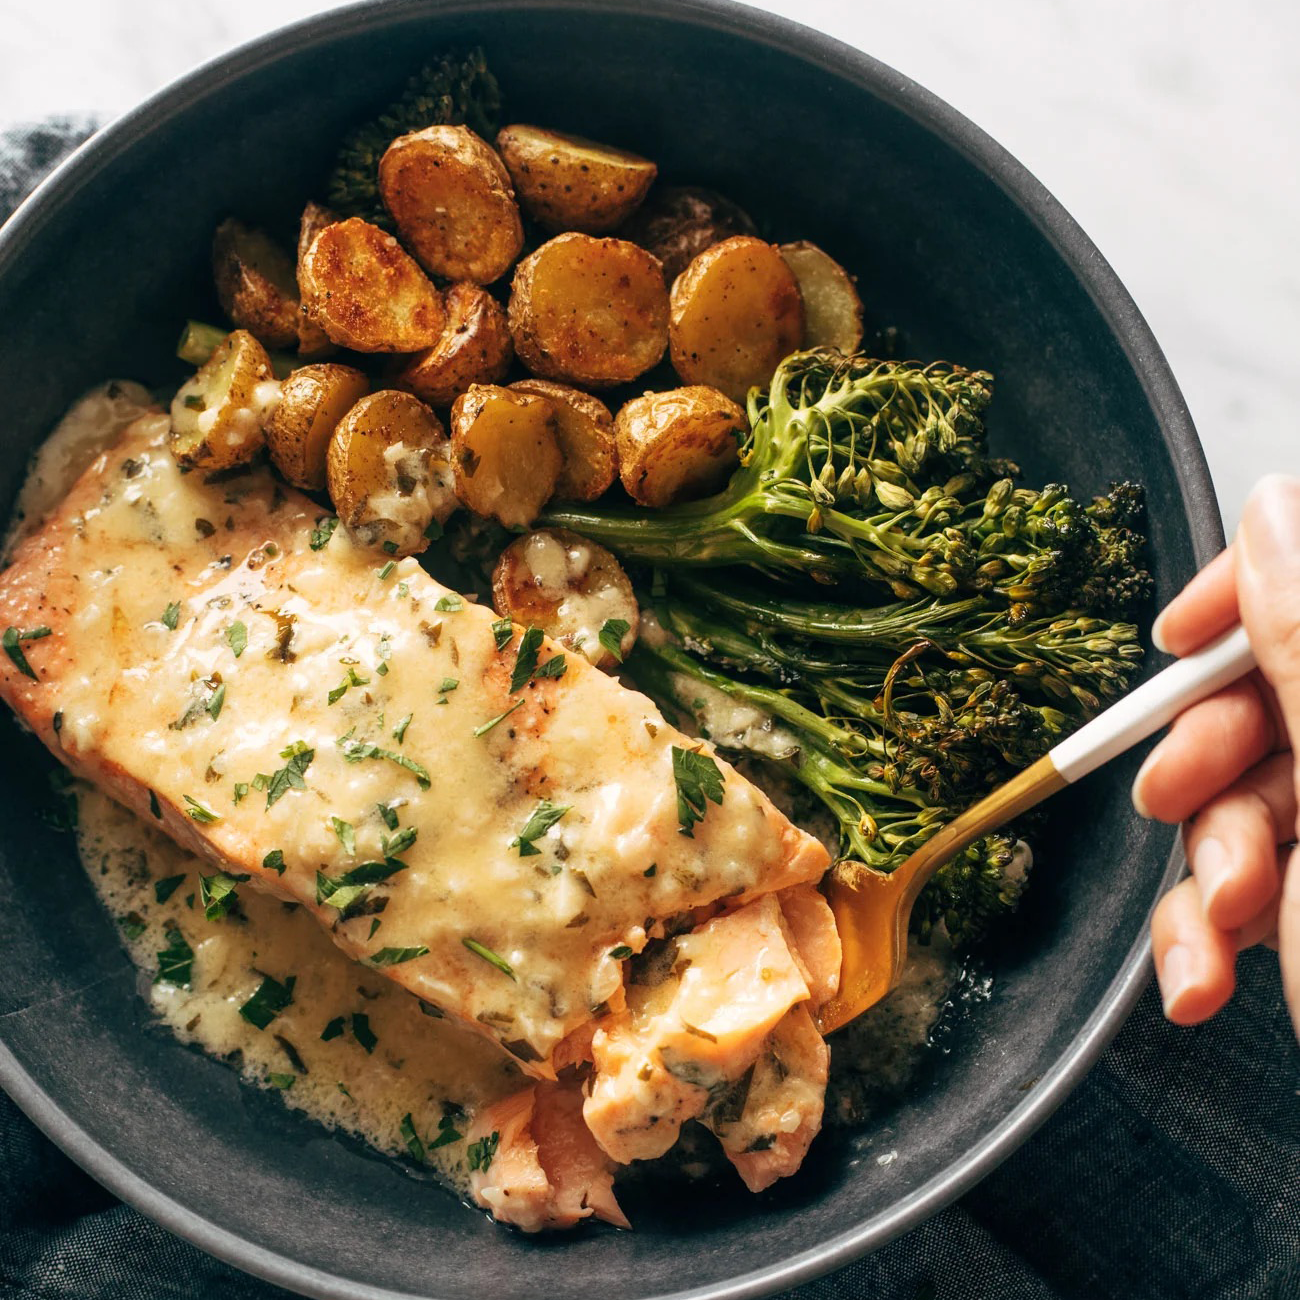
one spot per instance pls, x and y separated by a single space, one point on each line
954 243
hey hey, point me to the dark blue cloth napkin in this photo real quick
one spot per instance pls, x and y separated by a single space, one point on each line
1171 1173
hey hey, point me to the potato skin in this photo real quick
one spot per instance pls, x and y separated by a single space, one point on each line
313 342
217 415
505 455
383 495
475 348
567 182
313 399
678 222
255 283
367 293
736 315
453 203
569 587
587 311
584 426
677 445
832 308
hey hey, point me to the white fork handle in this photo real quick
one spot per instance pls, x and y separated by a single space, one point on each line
1154 704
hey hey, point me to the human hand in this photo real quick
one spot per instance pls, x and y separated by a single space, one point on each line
1228 769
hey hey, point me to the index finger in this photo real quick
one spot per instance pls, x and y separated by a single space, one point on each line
1203 609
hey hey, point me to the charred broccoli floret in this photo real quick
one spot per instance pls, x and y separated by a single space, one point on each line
457 90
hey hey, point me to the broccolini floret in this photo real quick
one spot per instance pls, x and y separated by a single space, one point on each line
456 90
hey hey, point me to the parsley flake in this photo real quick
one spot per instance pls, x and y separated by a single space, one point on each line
200 812
324 530
411 1137
395 956
399 731
487 726
132 924
332 1030
383 573
274 861
290 776
502 630
447 1134
612 632
282 1081
237 638
481 950
525 658
241 789
362 1032
698 779
171 616
11 641
164 889
347 835
217 894
175 961
357 750
449 603
268 1001
154 806
478 1155
542 818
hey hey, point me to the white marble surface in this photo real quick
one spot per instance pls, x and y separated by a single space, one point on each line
1169 128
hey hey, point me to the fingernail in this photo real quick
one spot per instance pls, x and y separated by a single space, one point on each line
1270 523
1213 866
1177 975
1158 633
1139 803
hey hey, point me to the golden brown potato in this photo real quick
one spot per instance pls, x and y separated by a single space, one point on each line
475 348
736 315
218 414
678 222
504 453
389 472
451 198
832 309
573 589
255 283
589 311
367 293
312 401
313 342
677 445
585 429
569 183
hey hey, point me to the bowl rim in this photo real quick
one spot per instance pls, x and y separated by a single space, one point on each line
1130 332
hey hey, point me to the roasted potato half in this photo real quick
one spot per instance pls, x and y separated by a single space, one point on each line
313 342
736 314
566 182
585 429
589 311
388 472
218 414
475 348
312 402
678 222
451 198
832 310
505 454
255 283
367 293
573 589
676 445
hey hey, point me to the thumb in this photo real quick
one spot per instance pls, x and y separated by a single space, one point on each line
1268 589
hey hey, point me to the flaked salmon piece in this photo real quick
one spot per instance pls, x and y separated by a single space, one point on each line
683 1041
816 940
536 1165
782 1110
349 735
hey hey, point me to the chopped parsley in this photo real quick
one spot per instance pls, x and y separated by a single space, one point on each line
342 891
175 961
389 566
621 952
612 632
650 870
555 666
502 630
481 950
207 695
542 818
164 889
274 861
347 835
698 779
332 1030
237 638
324 530
12 642
132 924
395 956
217 700
241 789
199 812
400 842
399 731
356 750
154 806
282 1081
446 1133
171 616
268 1001
389 548
290 776
389 814
478 1155
362 1032
411 1137
449 603
525 658
487 726
350 680
217 894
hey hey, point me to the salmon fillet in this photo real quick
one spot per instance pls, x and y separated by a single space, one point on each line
349 735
